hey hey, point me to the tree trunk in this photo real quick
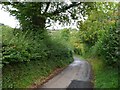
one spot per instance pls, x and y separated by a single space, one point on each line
39 22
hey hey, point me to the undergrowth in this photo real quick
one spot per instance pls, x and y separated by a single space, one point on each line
104 76
28 56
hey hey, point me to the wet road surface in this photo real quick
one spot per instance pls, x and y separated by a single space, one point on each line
77 74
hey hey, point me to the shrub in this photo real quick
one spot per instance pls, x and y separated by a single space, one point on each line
69 38
28 56
26 46
99 34
15 47
108 46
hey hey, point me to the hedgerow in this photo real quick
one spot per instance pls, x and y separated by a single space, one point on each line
26 46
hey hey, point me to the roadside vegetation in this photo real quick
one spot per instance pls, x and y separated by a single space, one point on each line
100 35
31 54
28 57
97 41
104 76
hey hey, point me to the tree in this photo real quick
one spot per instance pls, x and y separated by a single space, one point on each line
98 22
100 33
34 15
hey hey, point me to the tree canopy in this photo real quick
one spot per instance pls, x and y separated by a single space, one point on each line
100 33
33 15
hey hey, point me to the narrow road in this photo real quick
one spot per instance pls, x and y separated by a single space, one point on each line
76 75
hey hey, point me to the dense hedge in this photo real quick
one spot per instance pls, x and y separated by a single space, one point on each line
26 46
100 36
108 46
70 38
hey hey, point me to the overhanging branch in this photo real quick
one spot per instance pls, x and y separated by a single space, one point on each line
63 9
48 4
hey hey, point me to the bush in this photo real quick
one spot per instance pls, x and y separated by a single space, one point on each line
108 46
26 46
28 56
99 35
15 47
68 38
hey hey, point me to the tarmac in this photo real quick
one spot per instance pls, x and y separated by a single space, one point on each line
77 75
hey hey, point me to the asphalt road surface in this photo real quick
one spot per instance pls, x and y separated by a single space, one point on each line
77 75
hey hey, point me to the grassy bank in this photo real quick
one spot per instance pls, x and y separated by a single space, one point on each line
23 75
104 76
29 57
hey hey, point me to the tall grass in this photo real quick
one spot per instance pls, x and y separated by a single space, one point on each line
104 76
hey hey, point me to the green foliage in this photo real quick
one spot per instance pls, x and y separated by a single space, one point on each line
104 76
28 56
97 23
65 34
0 46
24 75
107 78
99 34
31 46
35 15
14 46
108 46
70 38
26 53
98 37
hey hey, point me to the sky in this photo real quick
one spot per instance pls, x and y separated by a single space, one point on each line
7 19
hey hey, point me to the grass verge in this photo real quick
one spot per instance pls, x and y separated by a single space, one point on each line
23 75
104 76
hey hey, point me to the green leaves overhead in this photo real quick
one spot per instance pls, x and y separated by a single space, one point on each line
34 14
